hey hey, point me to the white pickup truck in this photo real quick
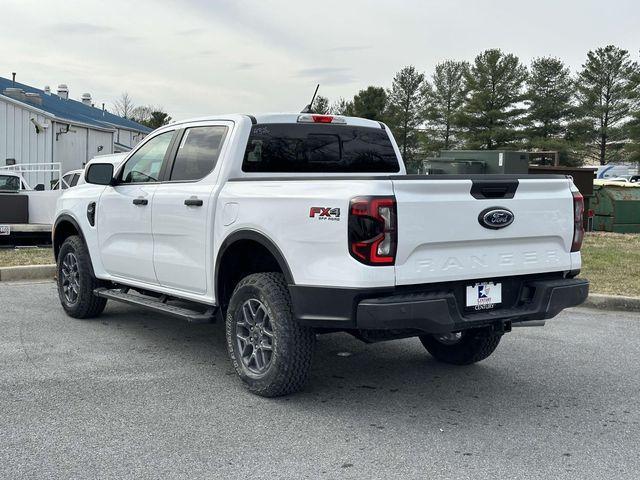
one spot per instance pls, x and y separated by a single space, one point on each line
285 226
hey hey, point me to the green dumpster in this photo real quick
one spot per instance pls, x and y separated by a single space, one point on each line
616 207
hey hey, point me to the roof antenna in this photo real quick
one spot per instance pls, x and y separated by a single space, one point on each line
308 108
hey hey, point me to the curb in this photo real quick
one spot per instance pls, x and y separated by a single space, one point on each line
29 272
612 302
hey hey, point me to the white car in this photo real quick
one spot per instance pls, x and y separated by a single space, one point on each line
12 182
76 177
618 179
70 179
285 226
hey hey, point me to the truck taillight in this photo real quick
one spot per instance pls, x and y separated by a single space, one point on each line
578 225
373 234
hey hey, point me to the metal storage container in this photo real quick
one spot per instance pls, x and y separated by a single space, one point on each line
435 166
616 207
583 178
495 161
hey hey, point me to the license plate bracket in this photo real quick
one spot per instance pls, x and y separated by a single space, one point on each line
483 296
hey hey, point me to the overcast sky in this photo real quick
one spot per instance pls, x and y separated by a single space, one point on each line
200 57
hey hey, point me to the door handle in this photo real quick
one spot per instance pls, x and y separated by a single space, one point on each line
193 202
140 201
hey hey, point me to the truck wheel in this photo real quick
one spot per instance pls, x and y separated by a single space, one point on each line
269 349
76 281
462 348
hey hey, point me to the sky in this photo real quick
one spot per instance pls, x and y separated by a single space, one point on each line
198 57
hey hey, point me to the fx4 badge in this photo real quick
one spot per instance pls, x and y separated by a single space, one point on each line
325 213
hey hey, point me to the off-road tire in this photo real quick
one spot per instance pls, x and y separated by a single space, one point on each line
474 345
87 304
292 343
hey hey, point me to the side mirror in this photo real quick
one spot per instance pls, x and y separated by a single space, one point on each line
99 174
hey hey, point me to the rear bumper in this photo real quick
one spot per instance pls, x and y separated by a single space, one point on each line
432 310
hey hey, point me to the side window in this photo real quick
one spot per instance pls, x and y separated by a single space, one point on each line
67 181
74 180
198 152
145 164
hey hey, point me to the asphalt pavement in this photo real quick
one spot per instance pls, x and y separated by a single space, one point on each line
136 395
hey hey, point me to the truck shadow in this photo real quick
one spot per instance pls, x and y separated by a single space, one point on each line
396 378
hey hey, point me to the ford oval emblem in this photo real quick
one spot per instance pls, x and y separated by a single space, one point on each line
495 218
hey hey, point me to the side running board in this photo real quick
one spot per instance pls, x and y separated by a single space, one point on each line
158 304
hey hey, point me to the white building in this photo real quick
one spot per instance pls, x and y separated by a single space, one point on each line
37 126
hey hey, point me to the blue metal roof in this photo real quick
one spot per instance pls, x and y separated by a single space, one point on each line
73 110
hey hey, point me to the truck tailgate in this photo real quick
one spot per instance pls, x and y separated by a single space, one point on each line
440 237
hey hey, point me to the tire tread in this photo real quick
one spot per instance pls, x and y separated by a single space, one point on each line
475 346
89 305
296 341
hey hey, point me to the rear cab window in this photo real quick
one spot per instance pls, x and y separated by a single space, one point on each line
198 152
9 183
319 148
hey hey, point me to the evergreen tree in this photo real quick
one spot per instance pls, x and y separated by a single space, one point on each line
370 103
158 119
405 110
342 107
321 105
444 99
633 134
550 91
606 87
493 113
550 94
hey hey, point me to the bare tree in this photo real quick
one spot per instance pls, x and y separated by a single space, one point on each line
124 106
141 113
151 116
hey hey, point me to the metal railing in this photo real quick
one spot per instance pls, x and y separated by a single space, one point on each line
33 173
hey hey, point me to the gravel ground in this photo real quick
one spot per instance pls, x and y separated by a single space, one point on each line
135 395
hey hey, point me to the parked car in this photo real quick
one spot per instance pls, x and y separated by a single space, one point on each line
290 225
12 182
69 179
76 177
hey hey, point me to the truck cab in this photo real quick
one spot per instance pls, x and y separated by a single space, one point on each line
12 182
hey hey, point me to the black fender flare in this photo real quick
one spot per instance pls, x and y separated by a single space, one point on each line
257 237
64 218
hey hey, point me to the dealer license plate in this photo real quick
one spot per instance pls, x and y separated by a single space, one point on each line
484 295
5 230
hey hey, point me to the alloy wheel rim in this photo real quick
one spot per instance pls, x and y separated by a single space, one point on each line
70 278
254 337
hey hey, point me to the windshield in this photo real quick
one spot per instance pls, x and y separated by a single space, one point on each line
10 183
291 147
